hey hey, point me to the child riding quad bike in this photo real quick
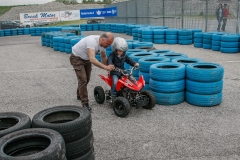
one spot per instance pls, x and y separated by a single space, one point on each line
129 92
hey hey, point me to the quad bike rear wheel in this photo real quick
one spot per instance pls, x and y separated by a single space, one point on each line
99 95
121 106
152 99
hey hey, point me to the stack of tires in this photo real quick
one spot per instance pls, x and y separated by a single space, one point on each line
61 44
140 34
229 43
33 31
95 27
1 33
89 27
20 31
121 28
107 27
207 40
47 37
83 27
102 27
145 64
13 32
147 35
159 36
216 41
136 56
43 39
114 28
160 52
26 31
38 31
19 141
56 43
185 37
74 124
171 36
7 32
135 34
204 84
198 39
167 82
68 45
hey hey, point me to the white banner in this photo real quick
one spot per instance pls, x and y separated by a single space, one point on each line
39 16
69 15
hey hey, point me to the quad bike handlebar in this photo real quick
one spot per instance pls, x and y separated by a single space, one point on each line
124 72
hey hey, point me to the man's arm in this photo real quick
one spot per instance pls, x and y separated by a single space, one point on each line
93 60
104 58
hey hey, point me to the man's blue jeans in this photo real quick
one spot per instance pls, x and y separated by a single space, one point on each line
114 82
219 23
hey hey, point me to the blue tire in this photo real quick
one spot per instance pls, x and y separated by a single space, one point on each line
68 46
171 41
131 51
198 34
167 87
43 43
174 55
207 46
55 44
229 44
159 36
61 49
216 48
140 44
187 61
167 71
162 51
147 40
207 35
136 56
55 48
207 41
217 37
147 32
171 37
206 88
203 100
147 36
145 63
204 72
184 32
185 42
229 50
198 40
230 38
159 32
146 76
62 45
171 32
68 51
216 43
146 87
198 45
169 98
185 37
159 41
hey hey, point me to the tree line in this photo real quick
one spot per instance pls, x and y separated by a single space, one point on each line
84 1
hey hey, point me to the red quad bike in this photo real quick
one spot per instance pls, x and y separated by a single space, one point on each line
128 93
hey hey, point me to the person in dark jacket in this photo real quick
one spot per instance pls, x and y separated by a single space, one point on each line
117 58
219 15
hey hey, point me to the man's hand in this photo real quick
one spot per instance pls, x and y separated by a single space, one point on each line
109 67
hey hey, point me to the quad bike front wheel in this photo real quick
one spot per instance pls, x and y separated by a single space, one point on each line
121 106
99 95
152 99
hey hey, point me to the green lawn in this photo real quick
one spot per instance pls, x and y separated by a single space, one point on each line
64 23
4 9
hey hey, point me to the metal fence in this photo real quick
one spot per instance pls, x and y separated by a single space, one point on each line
176 13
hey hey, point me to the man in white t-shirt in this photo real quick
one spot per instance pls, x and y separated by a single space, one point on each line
82 58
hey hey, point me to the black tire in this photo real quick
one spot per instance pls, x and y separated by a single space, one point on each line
32 144
152 99
146 48
13 121
121 106
80 147
90 155
99 95
72 122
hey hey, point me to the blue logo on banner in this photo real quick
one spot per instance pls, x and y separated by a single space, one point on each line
26 16
98 12
46 15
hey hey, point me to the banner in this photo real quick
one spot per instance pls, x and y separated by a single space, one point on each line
98 12
39 16
69 15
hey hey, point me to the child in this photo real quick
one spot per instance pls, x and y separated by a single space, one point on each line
117 58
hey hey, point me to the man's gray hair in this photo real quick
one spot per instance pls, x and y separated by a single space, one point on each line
104 35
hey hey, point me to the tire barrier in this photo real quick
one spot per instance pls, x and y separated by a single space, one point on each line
147 35
142 44
229 43
204 84
198 39
144 65
216 41
207 40
171 36
185 37
167 82
173 55
162 51
159 36
73 123
130 43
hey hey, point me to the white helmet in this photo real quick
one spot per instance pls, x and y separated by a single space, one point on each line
119 44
